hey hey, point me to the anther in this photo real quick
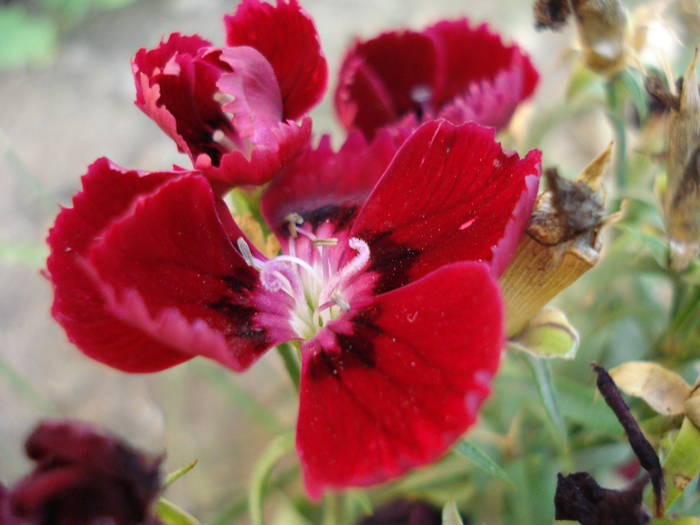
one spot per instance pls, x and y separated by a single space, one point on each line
223 98
293 220
223 140
330 241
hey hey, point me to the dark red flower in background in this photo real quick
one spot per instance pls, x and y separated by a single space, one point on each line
234 110
387 277
449 70
403 512
81 477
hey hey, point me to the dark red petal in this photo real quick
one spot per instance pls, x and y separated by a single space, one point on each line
175 86
321 183
108 193
282 143
285 34
450 194
171 268
393 385
484 80
469 55
382 79
266 142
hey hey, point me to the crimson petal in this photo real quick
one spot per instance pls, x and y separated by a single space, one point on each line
285 34
171 269
468 55
384 78
450 194
108 192
321 183
393 388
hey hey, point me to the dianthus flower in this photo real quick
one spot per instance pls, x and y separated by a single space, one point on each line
82 477
449 70
387 278
234 110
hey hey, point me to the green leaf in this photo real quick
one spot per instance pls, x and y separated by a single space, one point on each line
482 460
174 476
579 404
682 464
275 451
26 39
450 514
171 514
633 85
545 386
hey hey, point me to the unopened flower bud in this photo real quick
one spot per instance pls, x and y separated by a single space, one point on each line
560 244
681 200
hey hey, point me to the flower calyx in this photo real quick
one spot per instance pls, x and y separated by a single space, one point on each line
561 242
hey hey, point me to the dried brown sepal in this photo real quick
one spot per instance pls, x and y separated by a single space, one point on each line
661 99
561 242
551 14
640 445
681 201
580 498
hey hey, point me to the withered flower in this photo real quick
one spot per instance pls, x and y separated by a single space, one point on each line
602 29
681 200
561 242
580 498
81 477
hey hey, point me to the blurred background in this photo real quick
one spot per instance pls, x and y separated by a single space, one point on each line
66 98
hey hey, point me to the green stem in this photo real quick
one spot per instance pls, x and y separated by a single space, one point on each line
616 109
289 354
331 509
274 452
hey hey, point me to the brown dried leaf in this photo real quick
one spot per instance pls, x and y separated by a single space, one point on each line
663 390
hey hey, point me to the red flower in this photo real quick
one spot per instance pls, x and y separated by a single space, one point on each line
387 277
81 477
233 110
449 70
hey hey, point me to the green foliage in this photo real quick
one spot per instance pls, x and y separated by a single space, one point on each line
30 30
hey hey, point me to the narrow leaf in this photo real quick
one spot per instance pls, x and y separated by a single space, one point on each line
174 476
682 464
450 514
482 460
275 451
543 378
171 514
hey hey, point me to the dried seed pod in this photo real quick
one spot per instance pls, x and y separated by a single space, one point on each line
681 201
602 29
561 243
551 14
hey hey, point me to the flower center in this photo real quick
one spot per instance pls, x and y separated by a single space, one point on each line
315 278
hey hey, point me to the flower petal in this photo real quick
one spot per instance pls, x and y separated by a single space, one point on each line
175 86
384 78
108 192
476 57
170 268
395 385
322 184
450 194
285 34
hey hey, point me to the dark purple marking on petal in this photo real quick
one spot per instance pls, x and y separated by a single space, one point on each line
391 260
340 216
355 350
242 316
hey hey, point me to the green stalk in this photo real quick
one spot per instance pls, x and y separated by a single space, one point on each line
616 115
289 355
